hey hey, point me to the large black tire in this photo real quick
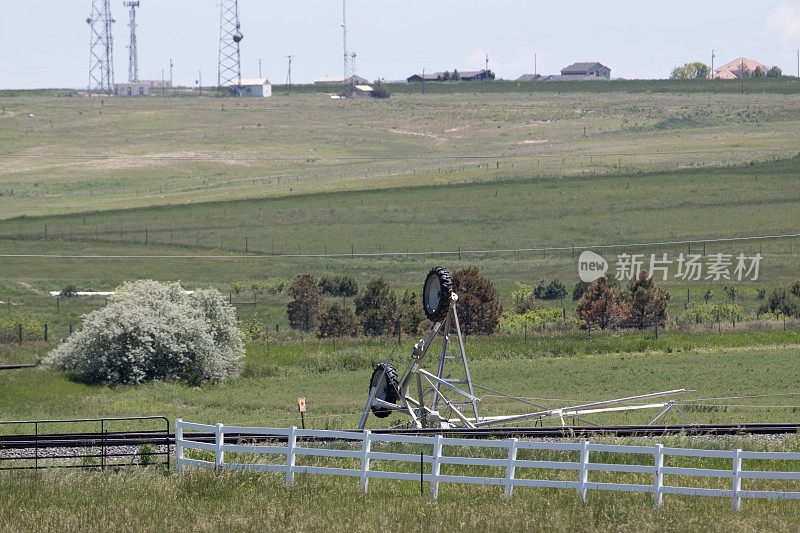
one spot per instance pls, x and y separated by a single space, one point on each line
385 377
442 276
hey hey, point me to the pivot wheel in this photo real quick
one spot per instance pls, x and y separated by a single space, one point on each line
436 294
384 377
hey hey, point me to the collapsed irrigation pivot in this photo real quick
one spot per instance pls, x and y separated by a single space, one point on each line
390 392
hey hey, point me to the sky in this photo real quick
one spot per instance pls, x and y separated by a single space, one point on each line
45 43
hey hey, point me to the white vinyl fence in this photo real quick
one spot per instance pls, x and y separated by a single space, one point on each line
510 463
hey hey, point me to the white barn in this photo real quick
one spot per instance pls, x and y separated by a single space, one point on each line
258 87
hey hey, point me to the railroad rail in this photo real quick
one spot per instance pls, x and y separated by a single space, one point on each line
136 438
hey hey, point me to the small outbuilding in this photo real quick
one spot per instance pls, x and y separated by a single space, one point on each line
141 87
257 87
363 90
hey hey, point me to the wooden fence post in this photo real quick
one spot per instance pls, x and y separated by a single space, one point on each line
219 439
510 467
291 442
583 476
658 481
179 446
437 454
365 449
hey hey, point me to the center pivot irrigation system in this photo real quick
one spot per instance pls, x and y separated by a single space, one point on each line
389 392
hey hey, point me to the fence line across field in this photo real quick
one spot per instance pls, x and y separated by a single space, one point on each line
459 252
510 463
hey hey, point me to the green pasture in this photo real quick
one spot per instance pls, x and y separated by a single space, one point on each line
551 370
68 155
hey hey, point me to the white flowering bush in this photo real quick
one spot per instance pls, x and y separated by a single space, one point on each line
151 330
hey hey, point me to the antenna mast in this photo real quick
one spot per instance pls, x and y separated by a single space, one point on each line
344 46
229 65
289 73
133 60
101 47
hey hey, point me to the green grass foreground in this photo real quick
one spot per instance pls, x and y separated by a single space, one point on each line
206 501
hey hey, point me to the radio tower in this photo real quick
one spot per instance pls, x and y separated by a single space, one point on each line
289 73
133 60
101 47
230 36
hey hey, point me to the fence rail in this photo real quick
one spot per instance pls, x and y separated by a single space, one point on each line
583 467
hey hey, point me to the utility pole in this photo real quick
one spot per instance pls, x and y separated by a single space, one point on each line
259 67
486 74
534 65
171 64
798 63
423 80
741 74
711 74
200 81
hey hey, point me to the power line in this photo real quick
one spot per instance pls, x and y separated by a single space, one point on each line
403 254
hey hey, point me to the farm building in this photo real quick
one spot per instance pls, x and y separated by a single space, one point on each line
589 70
258 87
363 90
732 69
467 75
140 87
353 79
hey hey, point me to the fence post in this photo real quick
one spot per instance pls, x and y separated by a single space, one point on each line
658 481
291 442
365 449
583 477
510 467
737 480
437 454
219 439
179 446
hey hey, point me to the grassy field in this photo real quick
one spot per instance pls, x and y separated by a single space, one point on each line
85 154
301 174
206 501
275 186
334 376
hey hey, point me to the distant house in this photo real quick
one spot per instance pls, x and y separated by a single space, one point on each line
140 87
587 71
466 75
258 87
352 79
732 70
529 77
434 76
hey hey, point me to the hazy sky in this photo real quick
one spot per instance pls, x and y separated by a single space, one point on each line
44 43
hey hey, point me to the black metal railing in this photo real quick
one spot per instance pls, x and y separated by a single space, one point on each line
85 449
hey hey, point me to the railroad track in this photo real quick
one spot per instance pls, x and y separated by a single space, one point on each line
135 438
